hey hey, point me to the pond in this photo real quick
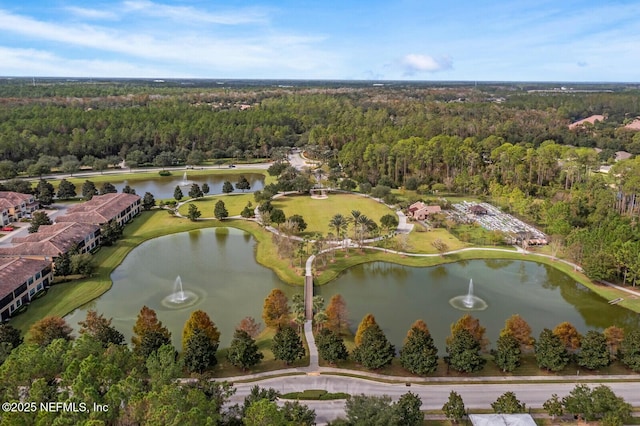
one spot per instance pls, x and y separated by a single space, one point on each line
544 296
162 187
218 266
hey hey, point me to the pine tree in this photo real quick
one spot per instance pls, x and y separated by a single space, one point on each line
551 353
508 403
419 354
200 351
220 210
193 214
148 201
66 190
331 346
205 188
374 351
464 352
177 193
243 184
37 220
88 190
594 353
287 345
195 191
243 351
508 352
227 187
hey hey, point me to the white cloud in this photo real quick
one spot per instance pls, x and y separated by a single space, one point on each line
191 15
417 63
85 13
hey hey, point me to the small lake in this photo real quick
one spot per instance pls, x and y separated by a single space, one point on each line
162 187
218 265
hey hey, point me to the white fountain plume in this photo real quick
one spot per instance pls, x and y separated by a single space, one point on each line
468 302
178 291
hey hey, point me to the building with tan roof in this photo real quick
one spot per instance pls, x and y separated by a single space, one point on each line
20 281
53 240
18 205
103 209
420 211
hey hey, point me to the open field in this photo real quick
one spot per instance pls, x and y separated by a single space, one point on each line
318 213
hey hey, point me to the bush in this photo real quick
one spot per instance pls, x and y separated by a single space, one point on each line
164 173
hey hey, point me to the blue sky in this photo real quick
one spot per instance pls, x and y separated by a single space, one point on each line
483 40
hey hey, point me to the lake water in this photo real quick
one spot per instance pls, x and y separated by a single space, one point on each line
162 187
219 266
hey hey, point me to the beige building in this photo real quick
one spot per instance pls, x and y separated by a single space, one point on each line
102 209
17 205
421 211
53 240
20 280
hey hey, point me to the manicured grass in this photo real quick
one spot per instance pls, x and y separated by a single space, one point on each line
420 240
234 203
318 213
268 363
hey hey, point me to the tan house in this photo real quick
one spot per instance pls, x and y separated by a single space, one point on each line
53 240
421 211
20 280
4 212
18 205
102 209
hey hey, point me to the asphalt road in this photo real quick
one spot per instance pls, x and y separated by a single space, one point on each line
433 395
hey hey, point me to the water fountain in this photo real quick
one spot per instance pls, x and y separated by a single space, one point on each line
469 302
180 298
185 181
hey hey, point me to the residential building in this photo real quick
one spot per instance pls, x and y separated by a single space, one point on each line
18 205
102 209
4 212
421 211
20 280
53 240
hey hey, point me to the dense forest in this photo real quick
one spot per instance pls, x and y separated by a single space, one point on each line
510 143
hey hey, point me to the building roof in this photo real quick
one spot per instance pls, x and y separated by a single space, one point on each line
634 125
501 419
623 155
16 198
477 208
591 120
14 271
50 240
100 209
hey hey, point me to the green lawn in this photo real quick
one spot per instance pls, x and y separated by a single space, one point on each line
234 203
318 213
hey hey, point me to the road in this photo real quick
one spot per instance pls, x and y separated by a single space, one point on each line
433 395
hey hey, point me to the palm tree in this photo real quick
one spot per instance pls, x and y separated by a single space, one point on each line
318 303
340 224
355 215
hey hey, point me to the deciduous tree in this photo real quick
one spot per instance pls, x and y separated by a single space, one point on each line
199 320
200 351
66 190
568 335
10 335
519 329
472 325
250 326
367 321
454 407
148 201
100 328
243 184
88 190
195 191
48 329
614 336
107 188
508 403
148 333
337 315
275 312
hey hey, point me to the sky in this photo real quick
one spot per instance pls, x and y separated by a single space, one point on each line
460 40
